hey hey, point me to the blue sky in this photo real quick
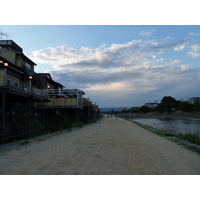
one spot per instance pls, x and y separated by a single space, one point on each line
116 65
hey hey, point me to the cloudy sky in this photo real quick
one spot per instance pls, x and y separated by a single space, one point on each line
116 65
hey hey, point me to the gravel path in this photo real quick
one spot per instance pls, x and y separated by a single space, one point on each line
110 146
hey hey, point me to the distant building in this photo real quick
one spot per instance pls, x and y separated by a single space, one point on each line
193 99
151 105
186 99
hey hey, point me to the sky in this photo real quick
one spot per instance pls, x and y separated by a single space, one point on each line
121 55
116 65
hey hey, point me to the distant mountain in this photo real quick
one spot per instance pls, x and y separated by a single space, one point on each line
109 109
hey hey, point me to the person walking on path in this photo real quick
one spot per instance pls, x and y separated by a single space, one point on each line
116 115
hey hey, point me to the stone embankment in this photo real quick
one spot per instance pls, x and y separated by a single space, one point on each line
109 147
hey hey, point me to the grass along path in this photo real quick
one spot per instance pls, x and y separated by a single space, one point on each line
107 147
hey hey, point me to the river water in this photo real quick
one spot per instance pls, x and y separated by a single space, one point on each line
172 125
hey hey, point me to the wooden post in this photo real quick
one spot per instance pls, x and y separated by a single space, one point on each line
43 115
65 108
77 112
54 113
29 115
3 118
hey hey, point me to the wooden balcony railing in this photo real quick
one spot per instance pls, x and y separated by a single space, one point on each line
23 87
62 103
65 92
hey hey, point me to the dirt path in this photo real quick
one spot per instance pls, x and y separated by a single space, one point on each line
109 146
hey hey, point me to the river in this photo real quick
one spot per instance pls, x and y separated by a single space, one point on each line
172 125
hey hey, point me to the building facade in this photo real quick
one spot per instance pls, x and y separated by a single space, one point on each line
31 101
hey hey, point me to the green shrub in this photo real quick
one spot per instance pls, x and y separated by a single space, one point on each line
193 138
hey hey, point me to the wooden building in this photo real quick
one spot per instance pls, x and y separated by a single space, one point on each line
33 101
17 91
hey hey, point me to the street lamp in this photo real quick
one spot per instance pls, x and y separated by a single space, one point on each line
5 64
5 70
65 105
30 78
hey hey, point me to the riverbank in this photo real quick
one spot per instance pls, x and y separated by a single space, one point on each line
175 115
110 146
191 141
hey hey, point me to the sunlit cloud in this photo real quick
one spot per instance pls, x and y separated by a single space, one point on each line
136 68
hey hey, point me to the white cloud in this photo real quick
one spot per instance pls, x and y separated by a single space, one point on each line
160 59
193 54
110 87
196 51
195 47
179 48
173 63
147 33
185 66
193 33
124 71
167 38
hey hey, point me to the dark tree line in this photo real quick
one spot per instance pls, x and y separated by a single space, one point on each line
167 104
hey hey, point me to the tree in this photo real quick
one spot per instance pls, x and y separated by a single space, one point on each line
186 106
197 105
169 103
134 110
145 109
159 108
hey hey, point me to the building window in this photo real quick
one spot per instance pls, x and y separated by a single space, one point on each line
26 64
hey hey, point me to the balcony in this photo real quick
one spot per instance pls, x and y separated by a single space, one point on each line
64 98
21 87
62 103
